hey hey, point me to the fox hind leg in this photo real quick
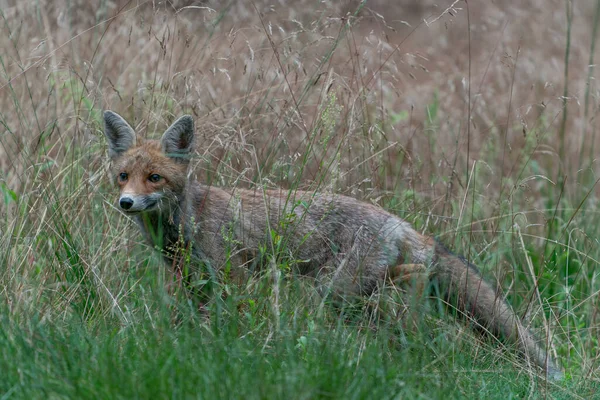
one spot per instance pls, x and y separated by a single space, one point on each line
413 276
411 283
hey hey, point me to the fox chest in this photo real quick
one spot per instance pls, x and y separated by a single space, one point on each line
164 236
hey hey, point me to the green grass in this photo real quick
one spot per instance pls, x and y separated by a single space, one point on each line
236 355
300 98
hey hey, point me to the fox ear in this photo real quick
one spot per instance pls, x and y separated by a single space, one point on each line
119 134
178 140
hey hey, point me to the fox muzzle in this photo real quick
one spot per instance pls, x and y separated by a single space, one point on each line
133 203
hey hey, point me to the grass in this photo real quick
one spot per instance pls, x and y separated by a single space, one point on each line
154 358
327 97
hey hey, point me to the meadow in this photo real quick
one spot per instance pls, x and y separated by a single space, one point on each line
476 122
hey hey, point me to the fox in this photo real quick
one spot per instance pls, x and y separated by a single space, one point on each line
356 247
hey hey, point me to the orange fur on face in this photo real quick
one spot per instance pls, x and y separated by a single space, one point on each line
144 160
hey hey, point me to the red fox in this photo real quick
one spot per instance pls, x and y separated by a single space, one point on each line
353 246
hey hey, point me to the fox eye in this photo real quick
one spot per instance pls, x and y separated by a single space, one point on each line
123 177
154 178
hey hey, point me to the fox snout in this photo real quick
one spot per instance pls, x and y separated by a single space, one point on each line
133 203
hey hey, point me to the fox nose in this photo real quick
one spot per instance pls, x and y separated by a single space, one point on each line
126 203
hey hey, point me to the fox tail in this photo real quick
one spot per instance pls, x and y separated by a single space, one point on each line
463 287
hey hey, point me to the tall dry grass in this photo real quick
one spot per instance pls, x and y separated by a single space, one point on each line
258 75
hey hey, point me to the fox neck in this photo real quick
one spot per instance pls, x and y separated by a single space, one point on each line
161 227
171 228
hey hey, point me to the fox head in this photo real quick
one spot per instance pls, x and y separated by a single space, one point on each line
149 173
